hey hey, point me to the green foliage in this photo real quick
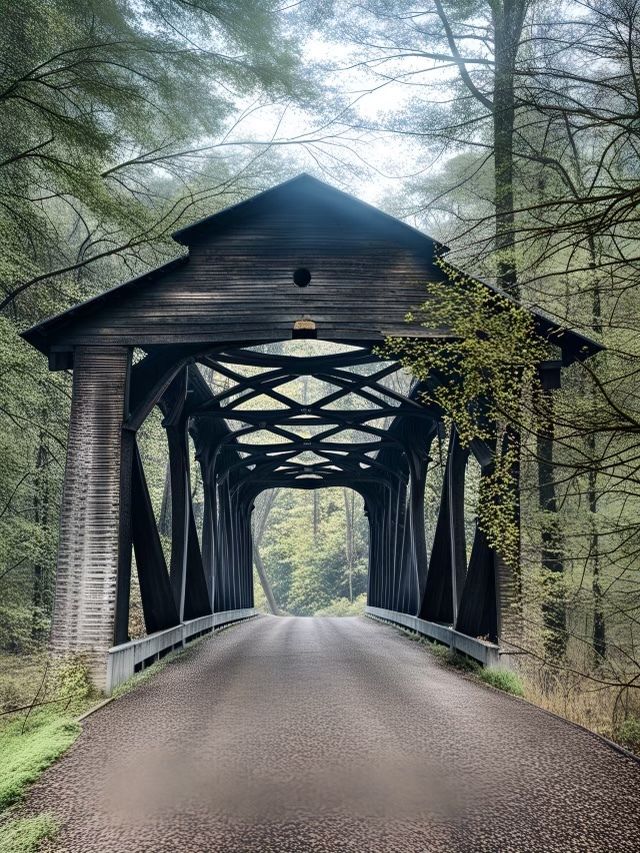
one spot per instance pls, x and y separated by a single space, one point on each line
306 561
343 607
628 733
114 117
15 627
25 754
25 835
503 679
20 677
101 107
476 374
70 680
475 377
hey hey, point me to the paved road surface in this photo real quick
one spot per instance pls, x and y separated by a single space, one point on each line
287 734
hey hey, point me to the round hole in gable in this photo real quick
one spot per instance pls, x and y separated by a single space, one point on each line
301 277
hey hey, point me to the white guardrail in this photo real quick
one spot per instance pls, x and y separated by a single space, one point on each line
481 650
128 658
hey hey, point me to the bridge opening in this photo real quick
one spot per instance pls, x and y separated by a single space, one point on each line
310 550
307 418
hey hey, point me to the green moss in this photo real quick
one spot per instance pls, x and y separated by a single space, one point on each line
24 755
25 835
503 679
628 733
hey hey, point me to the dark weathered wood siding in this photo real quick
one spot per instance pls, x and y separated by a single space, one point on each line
89 522
238 285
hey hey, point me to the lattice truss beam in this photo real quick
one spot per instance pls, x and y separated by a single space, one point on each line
262 420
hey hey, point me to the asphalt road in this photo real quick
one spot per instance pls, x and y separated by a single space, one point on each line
285 734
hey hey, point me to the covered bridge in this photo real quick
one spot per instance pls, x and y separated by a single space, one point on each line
302 260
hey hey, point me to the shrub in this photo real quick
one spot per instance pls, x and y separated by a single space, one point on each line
16 629
343 607
10 695
503 679
628 733
70 680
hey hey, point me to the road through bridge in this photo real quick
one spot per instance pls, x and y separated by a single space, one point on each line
296 734
326 734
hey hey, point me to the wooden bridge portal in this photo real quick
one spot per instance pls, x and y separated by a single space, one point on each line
302 260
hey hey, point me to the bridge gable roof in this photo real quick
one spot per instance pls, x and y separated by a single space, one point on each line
236 285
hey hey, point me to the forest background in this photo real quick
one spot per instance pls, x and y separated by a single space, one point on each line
507 129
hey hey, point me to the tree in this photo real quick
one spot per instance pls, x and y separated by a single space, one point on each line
260 519
136 91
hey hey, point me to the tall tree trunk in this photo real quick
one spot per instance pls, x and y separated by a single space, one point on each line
508 17
599 628
41 517
260 525
264 580
349 499
553 605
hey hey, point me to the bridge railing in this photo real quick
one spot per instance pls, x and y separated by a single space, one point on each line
125 660
483 651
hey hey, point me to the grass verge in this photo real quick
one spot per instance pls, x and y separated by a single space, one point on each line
628 734
25 754
25 835
575 707
33 736
29 743
26 749
502 679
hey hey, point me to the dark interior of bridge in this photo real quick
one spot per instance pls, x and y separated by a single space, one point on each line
308 414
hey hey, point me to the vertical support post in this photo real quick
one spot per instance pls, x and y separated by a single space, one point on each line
418 540
155 588
125 540
456 472
89 549
176 434
448 563
208 534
